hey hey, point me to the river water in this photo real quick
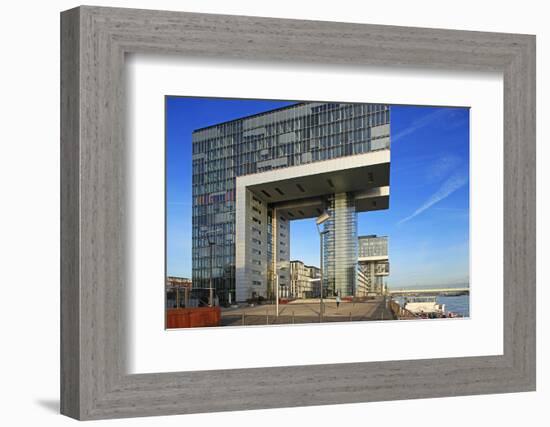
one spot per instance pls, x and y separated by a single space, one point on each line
459 304
456 304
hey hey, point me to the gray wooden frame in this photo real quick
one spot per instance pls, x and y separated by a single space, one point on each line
94 41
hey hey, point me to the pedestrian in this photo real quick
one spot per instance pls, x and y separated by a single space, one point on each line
337 301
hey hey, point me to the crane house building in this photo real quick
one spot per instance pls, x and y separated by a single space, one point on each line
253 176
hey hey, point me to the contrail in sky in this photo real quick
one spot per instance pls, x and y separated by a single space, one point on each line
453 183
417 124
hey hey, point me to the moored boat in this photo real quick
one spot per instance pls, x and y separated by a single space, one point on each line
424 306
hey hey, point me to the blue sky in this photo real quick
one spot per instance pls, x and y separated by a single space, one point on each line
428 219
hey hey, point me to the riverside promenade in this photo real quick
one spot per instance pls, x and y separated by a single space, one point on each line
307 311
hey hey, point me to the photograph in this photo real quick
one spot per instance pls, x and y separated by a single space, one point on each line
293 212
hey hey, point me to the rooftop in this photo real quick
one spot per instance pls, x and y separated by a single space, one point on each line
297 103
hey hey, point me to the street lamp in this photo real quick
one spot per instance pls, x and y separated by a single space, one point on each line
321 219
211 243
277 294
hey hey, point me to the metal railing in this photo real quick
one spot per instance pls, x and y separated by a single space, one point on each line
400 312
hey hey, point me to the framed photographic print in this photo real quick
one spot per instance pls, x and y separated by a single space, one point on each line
267 267
347 209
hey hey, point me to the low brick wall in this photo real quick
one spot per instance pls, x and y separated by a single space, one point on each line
193 317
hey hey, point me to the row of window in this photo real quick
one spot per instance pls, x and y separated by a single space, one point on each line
375 246
281 121
224 179
235 150
232 165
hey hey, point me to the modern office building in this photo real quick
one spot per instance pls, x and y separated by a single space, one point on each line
304 280
254 175
373 263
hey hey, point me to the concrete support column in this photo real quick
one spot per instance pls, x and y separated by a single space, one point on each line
274 247
340 246
280 236
242 285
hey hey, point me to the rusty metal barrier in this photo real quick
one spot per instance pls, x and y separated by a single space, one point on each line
193 317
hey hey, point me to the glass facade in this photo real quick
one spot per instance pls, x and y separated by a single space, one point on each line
371 246
290 136
373 262
340 246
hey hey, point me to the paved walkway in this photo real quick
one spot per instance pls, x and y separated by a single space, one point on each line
306 312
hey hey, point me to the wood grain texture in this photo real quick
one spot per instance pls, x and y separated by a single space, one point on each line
95 276
70 291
